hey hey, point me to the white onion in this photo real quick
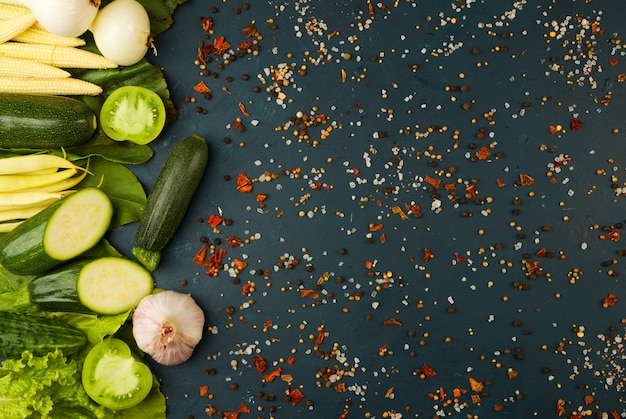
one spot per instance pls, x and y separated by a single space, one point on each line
168 326
122 31
63 17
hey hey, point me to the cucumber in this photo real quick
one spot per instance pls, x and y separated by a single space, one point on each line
169 199
108 285
57 234
34 121
39 335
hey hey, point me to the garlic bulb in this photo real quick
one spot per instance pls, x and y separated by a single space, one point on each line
168 326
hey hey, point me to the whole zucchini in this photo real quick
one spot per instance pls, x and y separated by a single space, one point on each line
169 199
39 335
57 234
34 121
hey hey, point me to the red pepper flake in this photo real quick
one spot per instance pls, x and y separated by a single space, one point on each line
610 300
450 186
553 130
259 364
526 180
295 395
483 153
615 414
233 241
204 390
231 415
389 392
392 322
250 30
243 110
428 255
211 410
560 407
613 235
471 191
370 7
291 360
459 258
245 289
244 46
261 197
613 62
268 378
240 265
243 408
198 259
576 124
207 23
375 227
221 45
202 87
344 415
319 340
309 293
432 181
427 370
244 184
215 220
589 399
500 183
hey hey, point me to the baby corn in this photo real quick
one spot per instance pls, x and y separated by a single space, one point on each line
58 56
67 86
15 67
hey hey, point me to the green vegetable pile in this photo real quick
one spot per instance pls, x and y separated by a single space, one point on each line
51 385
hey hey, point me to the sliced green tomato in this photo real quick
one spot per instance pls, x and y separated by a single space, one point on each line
78 224
113 377
112 285
133 113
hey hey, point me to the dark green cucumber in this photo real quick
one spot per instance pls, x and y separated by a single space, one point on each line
57 234
39 335
33 121
169 199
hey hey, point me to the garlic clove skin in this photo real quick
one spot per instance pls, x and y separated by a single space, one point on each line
167 326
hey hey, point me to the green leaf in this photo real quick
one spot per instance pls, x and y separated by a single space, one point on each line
96 327
12 282
124 152
34 386
122 187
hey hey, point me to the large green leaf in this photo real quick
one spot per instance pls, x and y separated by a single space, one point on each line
122 187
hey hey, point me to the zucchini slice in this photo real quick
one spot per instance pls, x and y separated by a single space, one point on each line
57 234
112 285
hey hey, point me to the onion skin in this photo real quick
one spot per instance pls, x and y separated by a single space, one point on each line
64 17
167 326
121 31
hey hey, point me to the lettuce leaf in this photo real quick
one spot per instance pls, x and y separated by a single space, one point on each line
47 386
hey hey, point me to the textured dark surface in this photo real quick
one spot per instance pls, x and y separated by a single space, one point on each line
425 82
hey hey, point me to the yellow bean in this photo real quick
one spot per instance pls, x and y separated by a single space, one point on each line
20 214
63 185
22 182
28 198
33 162
7 227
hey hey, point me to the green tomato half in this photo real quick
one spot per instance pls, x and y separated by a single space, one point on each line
133 113
112 376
